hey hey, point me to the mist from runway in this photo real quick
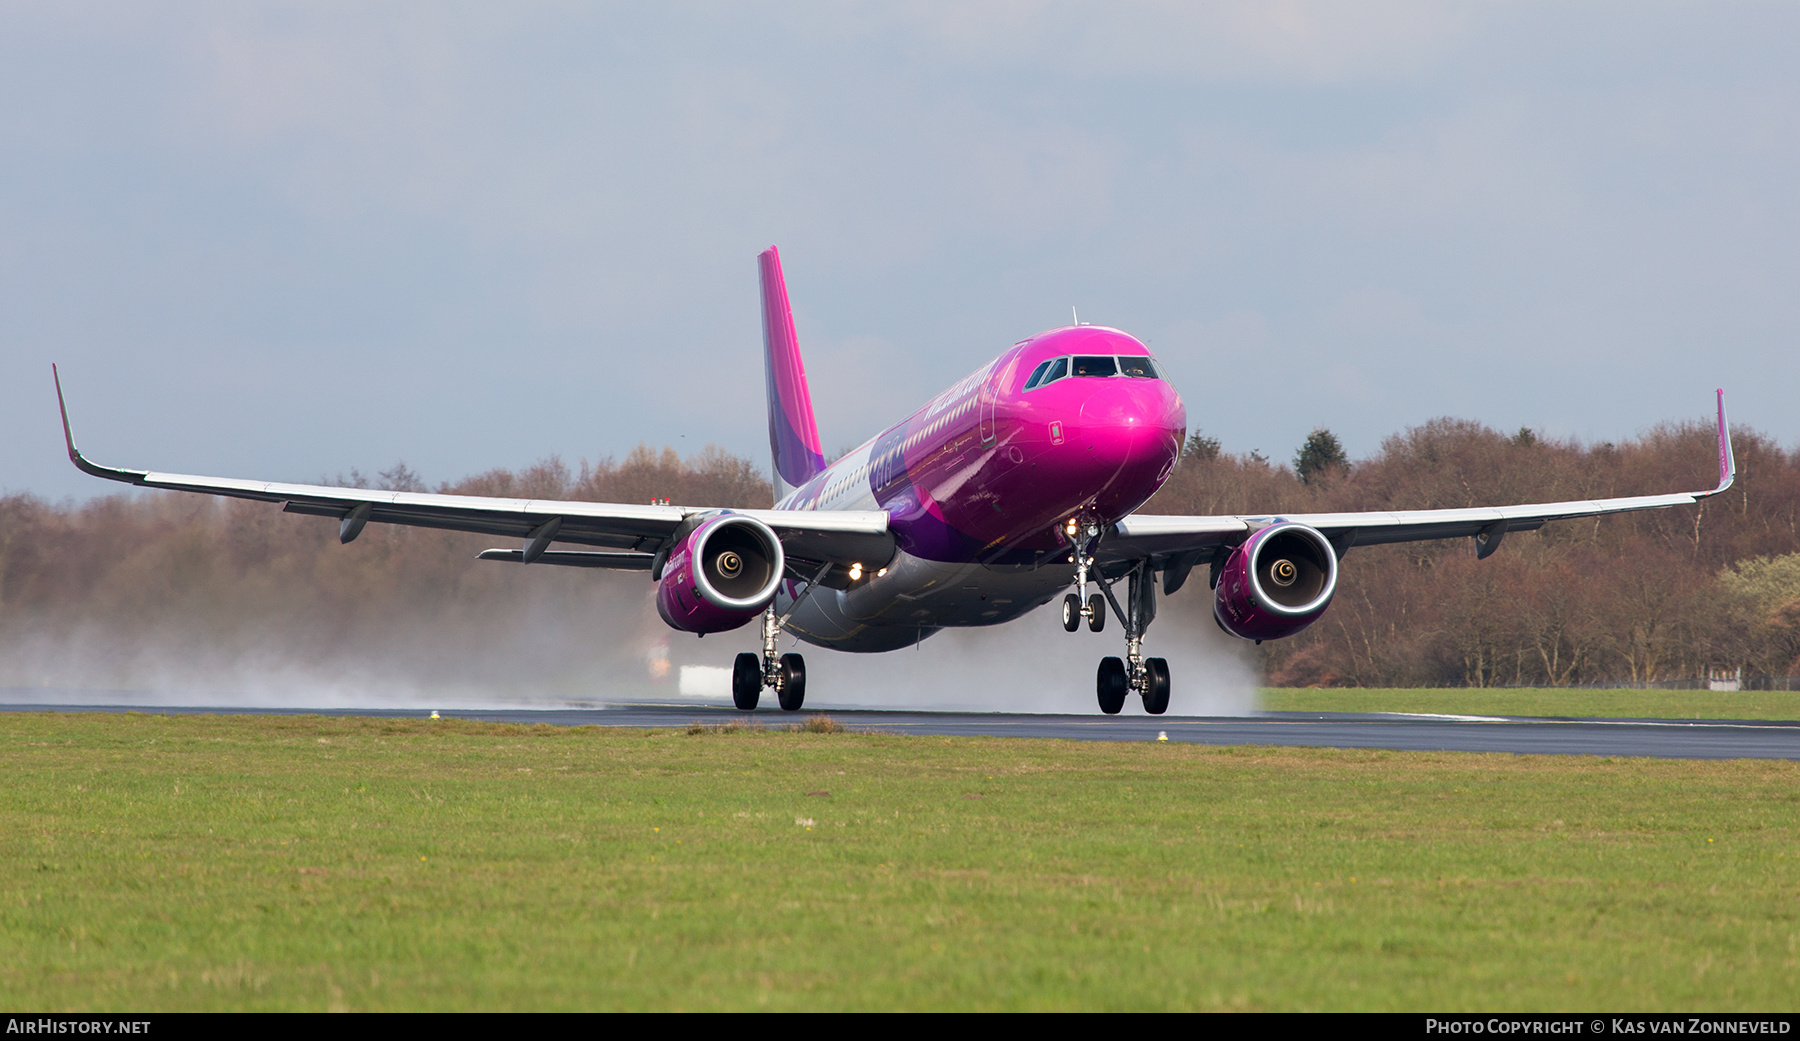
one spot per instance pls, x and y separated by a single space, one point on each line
573 644
584 645
1033 665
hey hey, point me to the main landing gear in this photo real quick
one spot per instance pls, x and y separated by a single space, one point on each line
785 673
1134 674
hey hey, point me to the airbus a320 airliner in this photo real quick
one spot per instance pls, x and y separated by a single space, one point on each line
1014 485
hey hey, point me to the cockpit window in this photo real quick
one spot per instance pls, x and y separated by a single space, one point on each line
1135 366
1141 368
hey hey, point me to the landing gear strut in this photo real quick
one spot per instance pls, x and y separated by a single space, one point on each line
785 673
1078 606
1135 674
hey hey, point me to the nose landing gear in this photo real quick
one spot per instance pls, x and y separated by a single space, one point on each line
1078 606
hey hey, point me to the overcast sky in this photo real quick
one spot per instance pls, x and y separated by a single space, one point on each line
282 241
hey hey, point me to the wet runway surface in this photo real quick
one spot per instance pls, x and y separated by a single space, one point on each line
1669 738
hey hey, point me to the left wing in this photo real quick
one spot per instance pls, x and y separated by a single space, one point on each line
1177 543
640 532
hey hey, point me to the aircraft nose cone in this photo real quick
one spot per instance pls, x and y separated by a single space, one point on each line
1124 418
1132 429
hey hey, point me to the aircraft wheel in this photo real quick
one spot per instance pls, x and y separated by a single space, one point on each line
792 691
1096 613
1071 612
1156 691
746 681
1111 685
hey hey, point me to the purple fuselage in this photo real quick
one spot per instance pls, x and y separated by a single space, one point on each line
980 484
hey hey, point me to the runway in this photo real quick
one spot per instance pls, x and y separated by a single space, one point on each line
1656 738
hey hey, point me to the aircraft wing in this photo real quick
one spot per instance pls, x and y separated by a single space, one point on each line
638 531
1179 542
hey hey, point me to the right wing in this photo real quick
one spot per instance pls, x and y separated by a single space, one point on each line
1176 543
633 534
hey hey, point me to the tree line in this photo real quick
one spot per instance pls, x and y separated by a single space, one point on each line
1643 598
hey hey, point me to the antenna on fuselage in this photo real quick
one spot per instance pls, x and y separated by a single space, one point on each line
1073 315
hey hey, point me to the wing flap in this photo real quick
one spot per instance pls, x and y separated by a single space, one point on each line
575 558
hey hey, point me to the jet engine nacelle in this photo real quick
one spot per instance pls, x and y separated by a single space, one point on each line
720 575
1277 583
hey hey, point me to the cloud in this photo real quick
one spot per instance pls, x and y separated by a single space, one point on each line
1258 42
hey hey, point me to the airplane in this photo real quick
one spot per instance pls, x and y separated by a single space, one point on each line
1016 484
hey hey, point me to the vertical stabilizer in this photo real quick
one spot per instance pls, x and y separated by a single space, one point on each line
793 436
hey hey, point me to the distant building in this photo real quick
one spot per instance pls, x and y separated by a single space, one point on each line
1719 679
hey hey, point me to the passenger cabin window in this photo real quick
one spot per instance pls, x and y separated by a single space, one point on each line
1095 366
1036 375
1141 368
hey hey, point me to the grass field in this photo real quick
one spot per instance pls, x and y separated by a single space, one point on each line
195 862
1542 701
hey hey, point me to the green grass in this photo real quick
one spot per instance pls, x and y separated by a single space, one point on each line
1541 701
191 862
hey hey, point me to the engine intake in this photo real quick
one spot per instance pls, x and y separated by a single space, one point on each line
1277 583
720 575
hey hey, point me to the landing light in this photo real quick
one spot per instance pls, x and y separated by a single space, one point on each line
1072 526
855 572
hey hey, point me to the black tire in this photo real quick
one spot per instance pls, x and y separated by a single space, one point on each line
1096 613
792 692
1071 612
1111 686
1156 689
746 681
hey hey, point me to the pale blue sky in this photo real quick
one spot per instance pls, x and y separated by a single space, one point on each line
286 240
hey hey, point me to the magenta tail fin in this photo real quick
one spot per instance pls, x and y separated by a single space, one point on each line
793 436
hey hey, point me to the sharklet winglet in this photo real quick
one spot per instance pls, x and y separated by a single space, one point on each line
82 462
1727 461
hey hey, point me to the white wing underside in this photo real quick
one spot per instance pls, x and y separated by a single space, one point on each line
633 533
1142 535
1168 539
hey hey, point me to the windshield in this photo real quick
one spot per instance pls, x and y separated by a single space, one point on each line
1134 366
